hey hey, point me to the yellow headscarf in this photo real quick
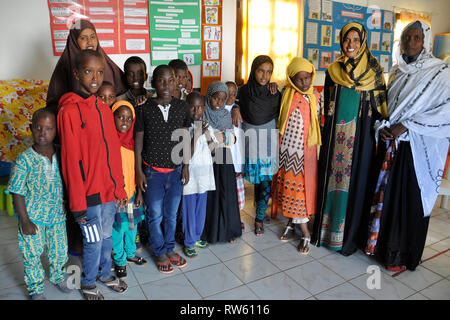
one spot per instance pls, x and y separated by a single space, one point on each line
362 72
295 66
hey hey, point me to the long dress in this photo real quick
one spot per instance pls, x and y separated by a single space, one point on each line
223 220
295 184
347 168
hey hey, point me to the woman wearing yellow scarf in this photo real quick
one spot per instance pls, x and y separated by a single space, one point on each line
294 186
355 97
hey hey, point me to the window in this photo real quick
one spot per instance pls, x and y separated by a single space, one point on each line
270 27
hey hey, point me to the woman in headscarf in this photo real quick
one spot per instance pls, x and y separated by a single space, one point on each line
223 219
82 36
355 97
258 105
295 184
414 143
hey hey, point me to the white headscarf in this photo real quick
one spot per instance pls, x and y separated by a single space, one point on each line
419 98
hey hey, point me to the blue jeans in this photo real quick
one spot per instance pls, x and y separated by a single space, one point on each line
162 198
97 243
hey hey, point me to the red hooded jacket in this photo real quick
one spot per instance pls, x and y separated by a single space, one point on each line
90 153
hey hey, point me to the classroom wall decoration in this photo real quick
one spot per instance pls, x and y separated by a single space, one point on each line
324 20
211 43
175 31
122 25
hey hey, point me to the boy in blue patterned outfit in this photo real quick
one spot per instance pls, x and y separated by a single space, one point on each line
37 189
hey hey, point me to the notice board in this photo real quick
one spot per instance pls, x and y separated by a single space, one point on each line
122 25
175 31
324 20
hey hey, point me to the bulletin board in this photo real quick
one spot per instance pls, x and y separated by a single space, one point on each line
324 20
211 68
122 25
175 31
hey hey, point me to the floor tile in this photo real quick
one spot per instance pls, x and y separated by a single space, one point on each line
314 277
438 291
251 267
441 245
173 288
278 287
14 293
8 235
345 291
205 258
239 293
227 251
390 288
10 253
439 264
133 293
347 267
417 296
149 272
285 256
213 279
268 240
319 252
418 279
11 275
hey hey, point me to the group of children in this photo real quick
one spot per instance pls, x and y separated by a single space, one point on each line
116 160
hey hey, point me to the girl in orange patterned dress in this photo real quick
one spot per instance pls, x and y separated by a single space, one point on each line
295 184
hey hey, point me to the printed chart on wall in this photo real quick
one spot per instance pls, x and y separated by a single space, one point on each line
122 25
175 31
324 20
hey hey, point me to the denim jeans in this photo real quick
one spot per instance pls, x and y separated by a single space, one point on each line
162 198
97 243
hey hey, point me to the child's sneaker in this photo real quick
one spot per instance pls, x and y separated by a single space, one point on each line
62 286
190 252
201 244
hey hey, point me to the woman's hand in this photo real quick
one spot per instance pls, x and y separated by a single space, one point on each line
393 132
236 117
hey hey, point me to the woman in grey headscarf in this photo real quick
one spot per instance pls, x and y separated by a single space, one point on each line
415 143
223 220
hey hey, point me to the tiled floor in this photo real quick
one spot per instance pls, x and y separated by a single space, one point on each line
256 268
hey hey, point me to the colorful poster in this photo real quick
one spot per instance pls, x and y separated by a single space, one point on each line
388 23
175 31
375 41
327 10
336 55
313 57
211 15
326 35
212 50
386 42
384 62
311 32
314 9
212 33
122 25
211 68
325 59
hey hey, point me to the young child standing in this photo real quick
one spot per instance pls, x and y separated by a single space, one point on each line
127 218
295 184
37 189
157 173
223 220
92 171
180 69
107 94
237 150
135 71
201 177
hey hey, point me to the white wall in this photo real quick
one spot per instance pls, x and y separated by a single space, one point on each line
27 52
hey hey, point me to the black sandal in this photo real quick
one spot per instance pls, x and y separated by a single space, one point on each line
303 246
121 272
288 233
138 260
259 228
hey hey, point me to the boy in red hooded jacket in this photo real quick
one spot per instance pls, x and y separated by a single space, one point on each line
92 171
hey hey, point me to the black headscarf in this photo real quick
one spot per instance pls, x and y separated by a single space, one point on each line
257 105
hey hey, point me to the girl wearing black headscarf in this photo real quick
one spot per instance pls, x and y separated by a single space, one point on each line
259 105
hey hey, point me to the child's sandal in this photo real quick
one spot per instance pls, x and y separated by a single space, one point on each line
164 266
177 260
138 260
288 233
303 246
259 228
121 271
